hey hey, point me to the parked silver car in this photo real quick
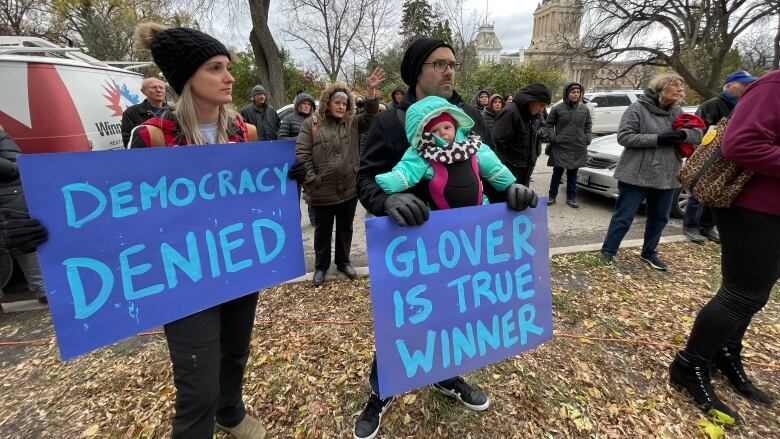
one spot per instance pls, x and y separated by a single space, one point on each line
598 176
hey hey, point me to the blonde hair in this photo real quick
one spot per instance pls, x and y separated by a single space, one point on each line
661 81
187 116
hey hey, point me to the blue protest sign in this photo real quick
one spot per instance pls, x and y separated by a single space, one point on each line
139 238
468 288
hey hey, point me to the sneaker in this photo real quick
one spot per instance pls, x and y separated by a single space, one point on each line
607 259
248 428
573 203
472 397
694 235
367 425
654 262
711 234
550 201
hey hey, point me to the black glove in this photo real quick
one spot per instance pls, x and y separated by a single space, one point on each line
519 197
406 209
19 231
672 138
297 172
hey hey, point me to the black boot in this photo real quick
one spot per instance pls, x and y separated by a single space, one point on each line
693 374
729 361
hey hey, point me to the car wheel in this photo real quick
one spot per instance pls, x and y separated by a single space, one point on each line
679 203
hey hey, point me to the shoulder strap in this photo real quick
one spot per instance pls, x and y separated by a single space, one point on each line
155 135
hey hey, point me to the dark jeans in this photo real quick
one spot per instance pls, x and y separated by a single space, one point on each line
659 204
344 215
571 183
209 351
373 378
698 216
750 264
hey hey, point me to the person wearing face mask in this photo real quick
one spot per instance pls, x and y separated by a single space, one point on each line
648 165
517 133
328 149
209 349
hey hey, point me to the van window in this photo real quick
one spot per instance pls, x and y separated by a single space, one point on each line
619 101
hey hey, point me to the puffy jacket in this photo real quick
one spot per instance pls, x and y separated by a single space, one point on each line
643 162
715 109
516 132
291 124
330 152
386 143
264 119
412 168
572 125
11 195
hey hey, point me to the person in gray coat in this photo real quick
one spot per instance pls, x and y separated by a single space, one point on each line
568 149
648 166
261 115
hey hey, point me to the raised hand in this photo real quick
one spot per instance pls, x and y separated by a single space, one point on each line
374 79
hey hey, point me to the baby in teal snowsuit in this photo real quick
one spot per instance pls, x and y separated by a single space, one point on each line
442 151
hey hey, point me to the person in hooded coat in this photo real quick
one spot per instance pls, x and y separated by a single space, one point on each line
291 124
495 105
397 96
482 99
570 126
518 131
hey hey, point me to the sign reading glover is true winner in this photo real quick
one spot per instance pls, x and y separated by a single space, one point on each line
468 288
143 237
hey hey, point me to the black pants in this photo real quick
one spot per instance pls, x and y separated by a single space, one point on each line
209 351
344 215
750 264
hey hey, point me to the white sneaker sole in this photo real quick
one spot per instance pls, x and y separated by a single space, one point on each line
657 267
456 395
379 425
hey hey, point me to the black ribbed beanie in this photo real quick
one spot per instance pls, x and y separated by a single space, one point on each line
179 51
415 56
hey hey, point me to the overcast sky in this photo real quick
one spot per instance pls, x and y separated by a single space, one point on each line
513 20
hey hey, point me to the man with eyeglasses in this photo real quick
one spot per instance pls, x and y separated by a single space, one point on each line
153 106
428 68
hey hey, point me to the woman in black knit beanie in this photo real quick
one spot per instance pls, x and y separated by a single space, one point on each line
209 349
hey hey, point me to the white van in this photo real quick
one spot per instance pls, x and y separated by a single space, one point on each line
55 99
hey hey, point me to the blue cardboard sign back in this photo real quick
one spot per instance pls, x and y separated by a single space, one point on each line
468 288
143 237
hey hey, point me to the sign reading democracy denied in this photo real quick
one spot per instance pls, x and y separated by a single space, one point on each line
468 288
144 237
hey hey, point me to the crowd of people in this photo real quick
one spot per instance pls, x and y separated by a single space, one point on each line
431 150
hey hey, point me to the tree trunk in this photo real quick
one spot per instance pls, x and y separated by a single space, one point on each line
267 56
776 60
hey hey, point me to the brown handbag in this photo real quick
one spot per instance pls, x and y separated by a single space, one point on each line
708 176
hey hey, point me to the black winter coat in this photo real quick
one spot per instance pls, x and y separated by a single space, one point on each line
387 143
136 115
490 119
264 119
11 195
516 133
715 109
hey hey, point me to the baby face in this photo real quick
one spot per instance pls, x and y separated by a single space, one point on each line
445 130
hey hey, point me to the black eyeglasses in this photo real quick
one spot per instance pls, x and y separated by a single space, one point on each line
441 66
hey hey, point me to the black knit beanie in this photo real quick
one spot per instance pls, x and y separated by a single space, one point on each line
415 56
179 51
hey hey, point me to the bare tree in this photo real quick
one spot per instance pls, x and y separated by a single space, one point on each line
755 49
693 37
379 31
22 17
326 29
776 60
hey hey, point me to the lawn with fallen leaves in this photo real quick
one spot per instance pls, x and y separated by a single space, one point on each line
604 374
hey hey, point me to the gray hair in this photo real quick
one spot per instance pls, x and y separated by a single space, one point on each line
662 80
